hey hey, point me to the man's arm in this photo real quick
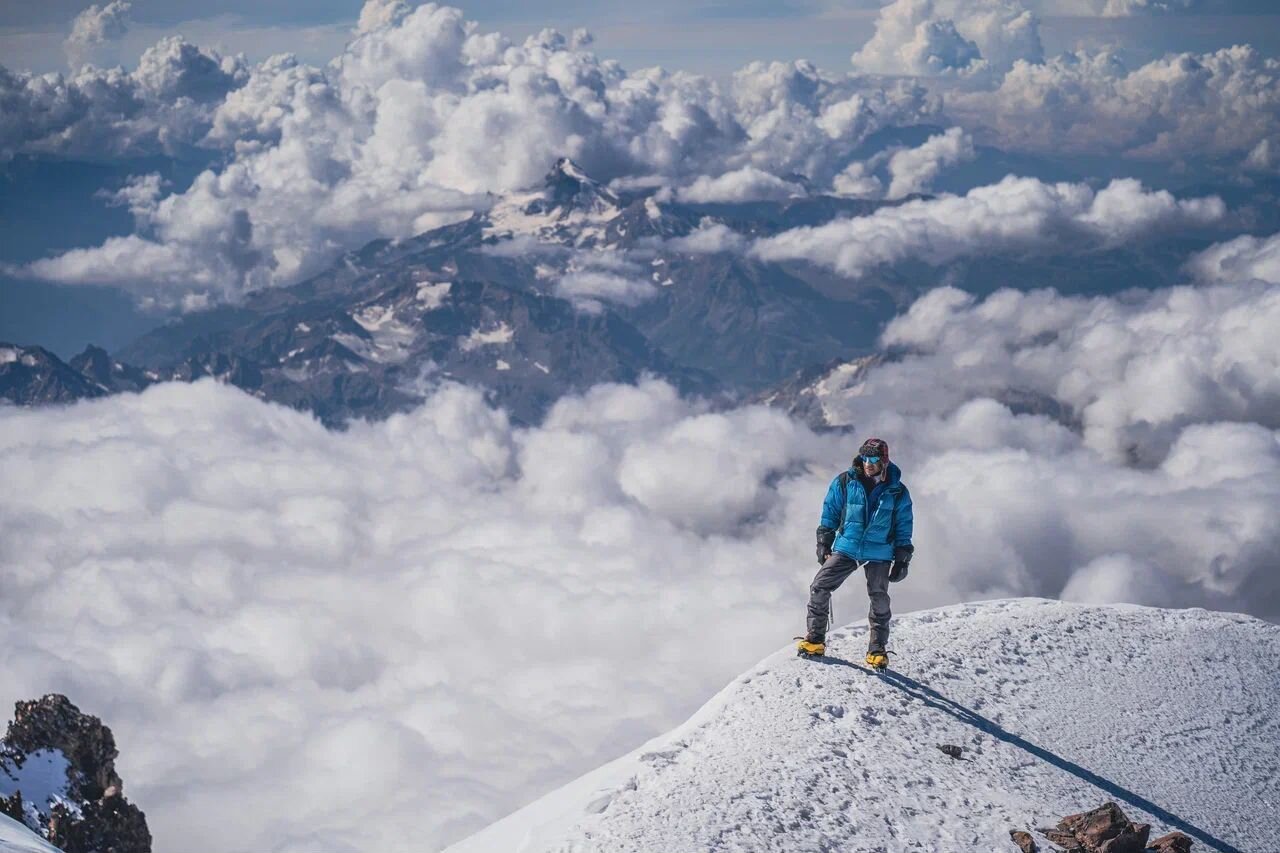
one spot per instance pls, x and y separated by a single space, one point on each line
903 526
832 515
833 506
906 522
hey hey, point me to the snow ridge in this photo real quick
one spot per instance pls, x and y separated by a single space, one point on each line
1058 707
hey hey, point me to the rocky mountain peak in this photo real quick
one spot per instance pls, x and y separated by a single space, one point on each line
94 363
569 188
53 722
58 777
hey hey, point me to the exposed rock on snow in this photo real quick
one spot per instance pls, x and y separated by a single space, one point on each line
1025 842
1101 830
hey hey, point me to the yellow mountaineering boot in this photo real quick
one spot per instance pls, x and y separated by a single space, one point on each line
806 648
877 660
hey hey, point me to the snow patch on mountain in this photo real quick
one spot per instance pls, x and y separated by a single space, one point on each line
1056 706
42 778
503 334
16 838
433 294
570 208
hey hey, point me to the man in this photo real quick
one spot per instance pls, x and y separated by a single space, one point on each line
866 524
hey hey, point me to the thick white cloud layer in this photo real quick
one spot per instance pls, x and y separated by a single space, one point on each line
1181 106
422 115
1133 372
965 37
93 26
165 103
912 170
1241 259
908 170
1016 213
745 184
384 638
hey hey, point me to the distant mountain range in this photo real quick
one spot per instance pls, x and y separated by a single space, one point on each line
547 292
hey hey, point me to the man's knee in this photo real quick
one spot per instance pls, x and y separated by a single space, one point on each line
822 586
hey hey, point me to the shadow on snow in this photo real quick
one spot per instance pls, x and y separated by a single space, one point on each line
936 700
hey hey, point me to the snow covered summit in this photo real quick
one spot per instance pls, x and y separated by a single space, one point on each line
1057 707
570 208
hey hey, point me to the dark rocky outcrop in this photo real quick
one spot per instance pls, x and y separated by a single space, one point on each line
33 375
1025 842
1173 842
1105 829
94 816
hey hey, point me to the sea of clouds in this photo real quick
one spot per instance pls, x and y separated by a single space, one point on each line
423 117
390 636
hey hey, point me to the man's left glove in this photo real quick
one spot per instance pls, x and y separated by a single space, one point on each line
901 561
826 537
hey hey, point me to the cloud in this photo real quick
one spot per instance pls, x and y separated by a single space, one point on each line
322 598
1132 372
710 237
131 261
964 37
93 27
913 169
423 115
165 104
590 290
1241 259
745 184
1014 214
1185 105
857 181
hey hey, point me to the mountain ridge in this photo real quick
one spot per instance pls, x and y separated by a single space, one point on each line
1072 705
656 285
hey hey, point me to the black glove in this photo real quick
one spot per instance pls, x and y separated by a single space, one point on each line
826 536
901 561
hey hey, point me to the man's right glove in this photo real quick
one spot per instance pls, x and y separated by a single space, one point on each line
826 537
901 560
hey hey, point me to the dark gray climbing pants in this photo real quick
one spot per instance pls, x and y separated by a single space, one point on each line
834 572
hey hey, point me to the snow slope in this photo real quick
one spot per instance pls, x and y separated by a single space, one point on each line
1059 707
16 838
42 779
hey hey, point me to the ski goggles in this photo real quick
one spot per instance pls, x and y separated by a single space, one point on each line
871 460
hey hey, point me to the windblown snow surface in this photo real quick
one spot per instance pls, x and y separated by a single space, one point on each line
1059 707
16 838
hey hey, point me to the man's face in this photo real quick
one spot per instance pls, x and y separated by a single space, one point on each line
872 465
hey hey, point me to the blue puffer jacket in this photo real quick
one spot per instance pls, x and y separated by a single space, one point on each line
873 524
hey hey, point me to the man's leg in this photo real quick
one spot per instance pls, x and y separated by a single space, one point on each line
826 581
878 616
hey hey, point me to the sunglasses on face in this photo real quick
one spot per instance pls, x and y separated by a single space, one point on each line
871 460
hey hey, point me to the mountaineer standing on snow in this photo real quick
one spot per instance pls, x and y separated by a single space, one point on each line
866 524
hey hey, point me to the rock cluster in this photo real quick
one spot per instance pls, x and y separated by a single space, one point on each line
95 817
1103 830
